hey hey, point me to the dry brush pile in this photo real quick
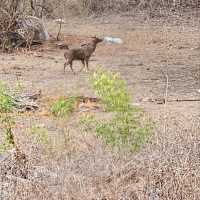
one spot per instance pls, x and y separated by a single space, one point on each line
17 28
8 23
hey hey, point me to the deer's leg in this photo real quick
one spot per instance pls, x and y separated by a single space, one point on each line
68 62
70 65
87 61
65 65
83 63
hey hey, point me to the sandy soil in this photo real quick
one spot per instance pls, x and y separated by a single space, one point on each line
150 53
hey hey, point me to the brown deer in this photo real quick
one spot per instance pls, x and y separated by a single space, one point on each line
83 54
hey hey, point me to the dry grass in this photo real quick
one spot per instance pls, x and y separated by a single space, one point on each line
81 167
98 7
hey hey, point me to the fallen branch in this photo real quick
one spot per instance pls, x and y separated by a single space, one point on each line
26 102
59 30
163 100
181 100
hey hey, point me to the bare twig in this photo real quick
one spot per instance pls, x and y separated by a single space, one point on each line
25 102
59 31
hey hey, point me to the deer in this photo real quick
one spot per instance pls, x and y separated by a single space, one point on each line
83 53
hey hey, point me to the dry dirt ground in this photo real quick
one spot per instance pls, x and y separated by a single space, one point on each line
151 52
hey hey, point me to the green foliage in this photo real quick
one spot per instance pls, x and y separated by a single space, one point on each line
126 129
6 102
112 91
7 124
62 108
6 121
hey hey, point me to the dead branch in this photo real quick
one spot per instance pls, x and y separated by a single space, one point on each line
27 102
163 100
59 31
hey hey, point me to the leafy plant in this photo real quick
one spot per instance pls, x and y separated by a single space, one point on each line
7 124
6 121
126 129
63 107
6 102
123 131
112 91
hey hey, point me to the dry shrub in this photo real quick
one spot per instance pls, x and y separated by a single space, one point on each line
63 8
167 168
97 7
66 8
8 19
8 16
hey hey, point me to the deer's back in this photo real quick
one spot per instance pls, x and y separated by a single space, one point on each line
80 53
88 49
75 54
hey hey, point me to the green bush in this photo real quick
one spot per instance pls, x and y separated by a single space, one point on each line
126 129
62 108
6 102
124 132
112 91
7 123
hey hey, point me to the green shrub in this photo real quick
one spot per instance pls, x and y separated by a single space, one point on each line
7 123
124 132
62 107
6 102
126 129
112 91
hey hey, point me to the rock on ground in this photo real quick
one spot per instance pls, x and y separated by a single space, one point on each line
36 24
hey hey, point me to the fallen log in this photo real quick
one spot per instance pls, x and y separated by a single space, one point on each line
25 102
163 101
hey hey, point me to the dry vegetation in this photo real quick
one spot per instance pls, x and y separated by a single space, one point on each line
56 157
99 7
56 7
